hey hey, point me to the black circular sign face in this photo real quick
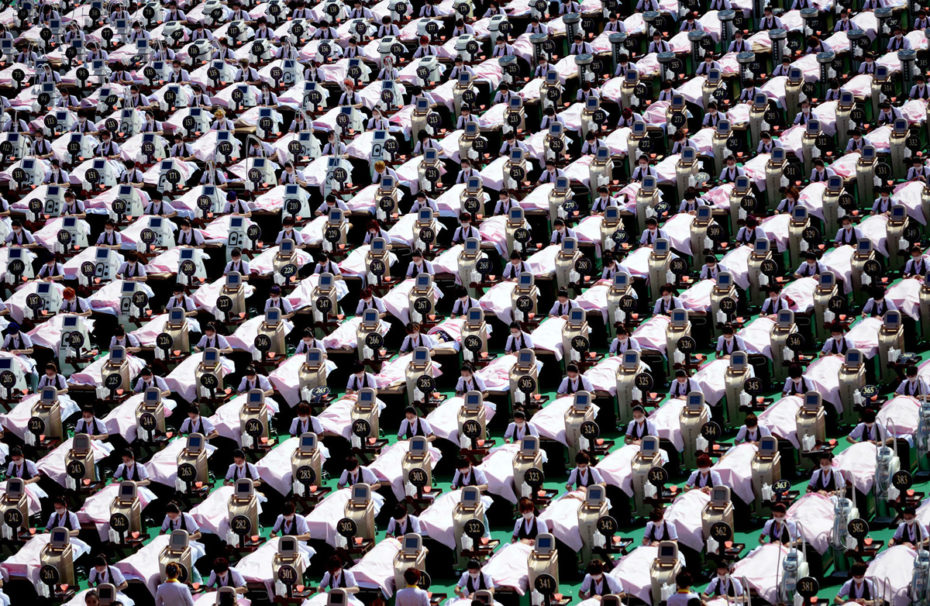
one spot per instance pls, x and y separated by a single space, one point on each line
912 232
288 575
721 531
426 383
643 381
857 528
35 425
534 477
427 234
607 526
34 301
17 267
49 575
517 173
524 304
711 431
483 267
377 267
480 144
678 266
7 381
727 305
526 384
753 386
657 476
837 304
556 144
119 523
347 528
255 175
292 206
794 341
147 236
140 299
580 344
224 303
262 342
209 381
902 480
324 304
808 587
882 171
521 235
254 428
768 267
872 268
627 303
424 581
332 233
589 430
361 428
913 143
50 121
75 339
472 205
474 529
422 305
584 266
188 267
112 381
147 421
13 518
74 147
340 174
204 203
472 343
678 119
240 525
92 176
869 391
687 344
553 93
76 469
545 584
418 477
306 475
187 472
792 171
599 117
374 340
471 429
781 486
811 234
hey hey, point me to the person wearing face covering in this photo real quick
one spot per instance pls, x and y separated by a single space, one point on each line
528 526
911 531
723 585
778 528
336 577
867 430
597 584
289 523
472 580
402 523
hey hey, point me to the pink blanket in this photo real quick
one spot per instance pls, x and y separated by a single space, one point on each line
436 520
697 297
226 417
758 336
394 372
498 467
508 567
181 380
53 464
616 469
163 466
666 418
737 263
142 565
96 509
376 569
651 334
780 419
322 520
257 567
551 419
900 416
444 418
603 376
388 467
498 301
814 514
823 375
122 419
906 295
26 562
548 336
858 464
561 518
735 469
16 420
762 568
633 572
892 571
685 513
712 379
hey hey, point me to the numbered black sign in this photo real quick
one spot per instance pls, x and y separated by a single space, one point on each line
526 384
711 431
687 345
240 525
589 430
643 381
858 528
426 383
657 476
418 477
607 526
721 532
471 429
119 523
361 428
306 475
753 386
